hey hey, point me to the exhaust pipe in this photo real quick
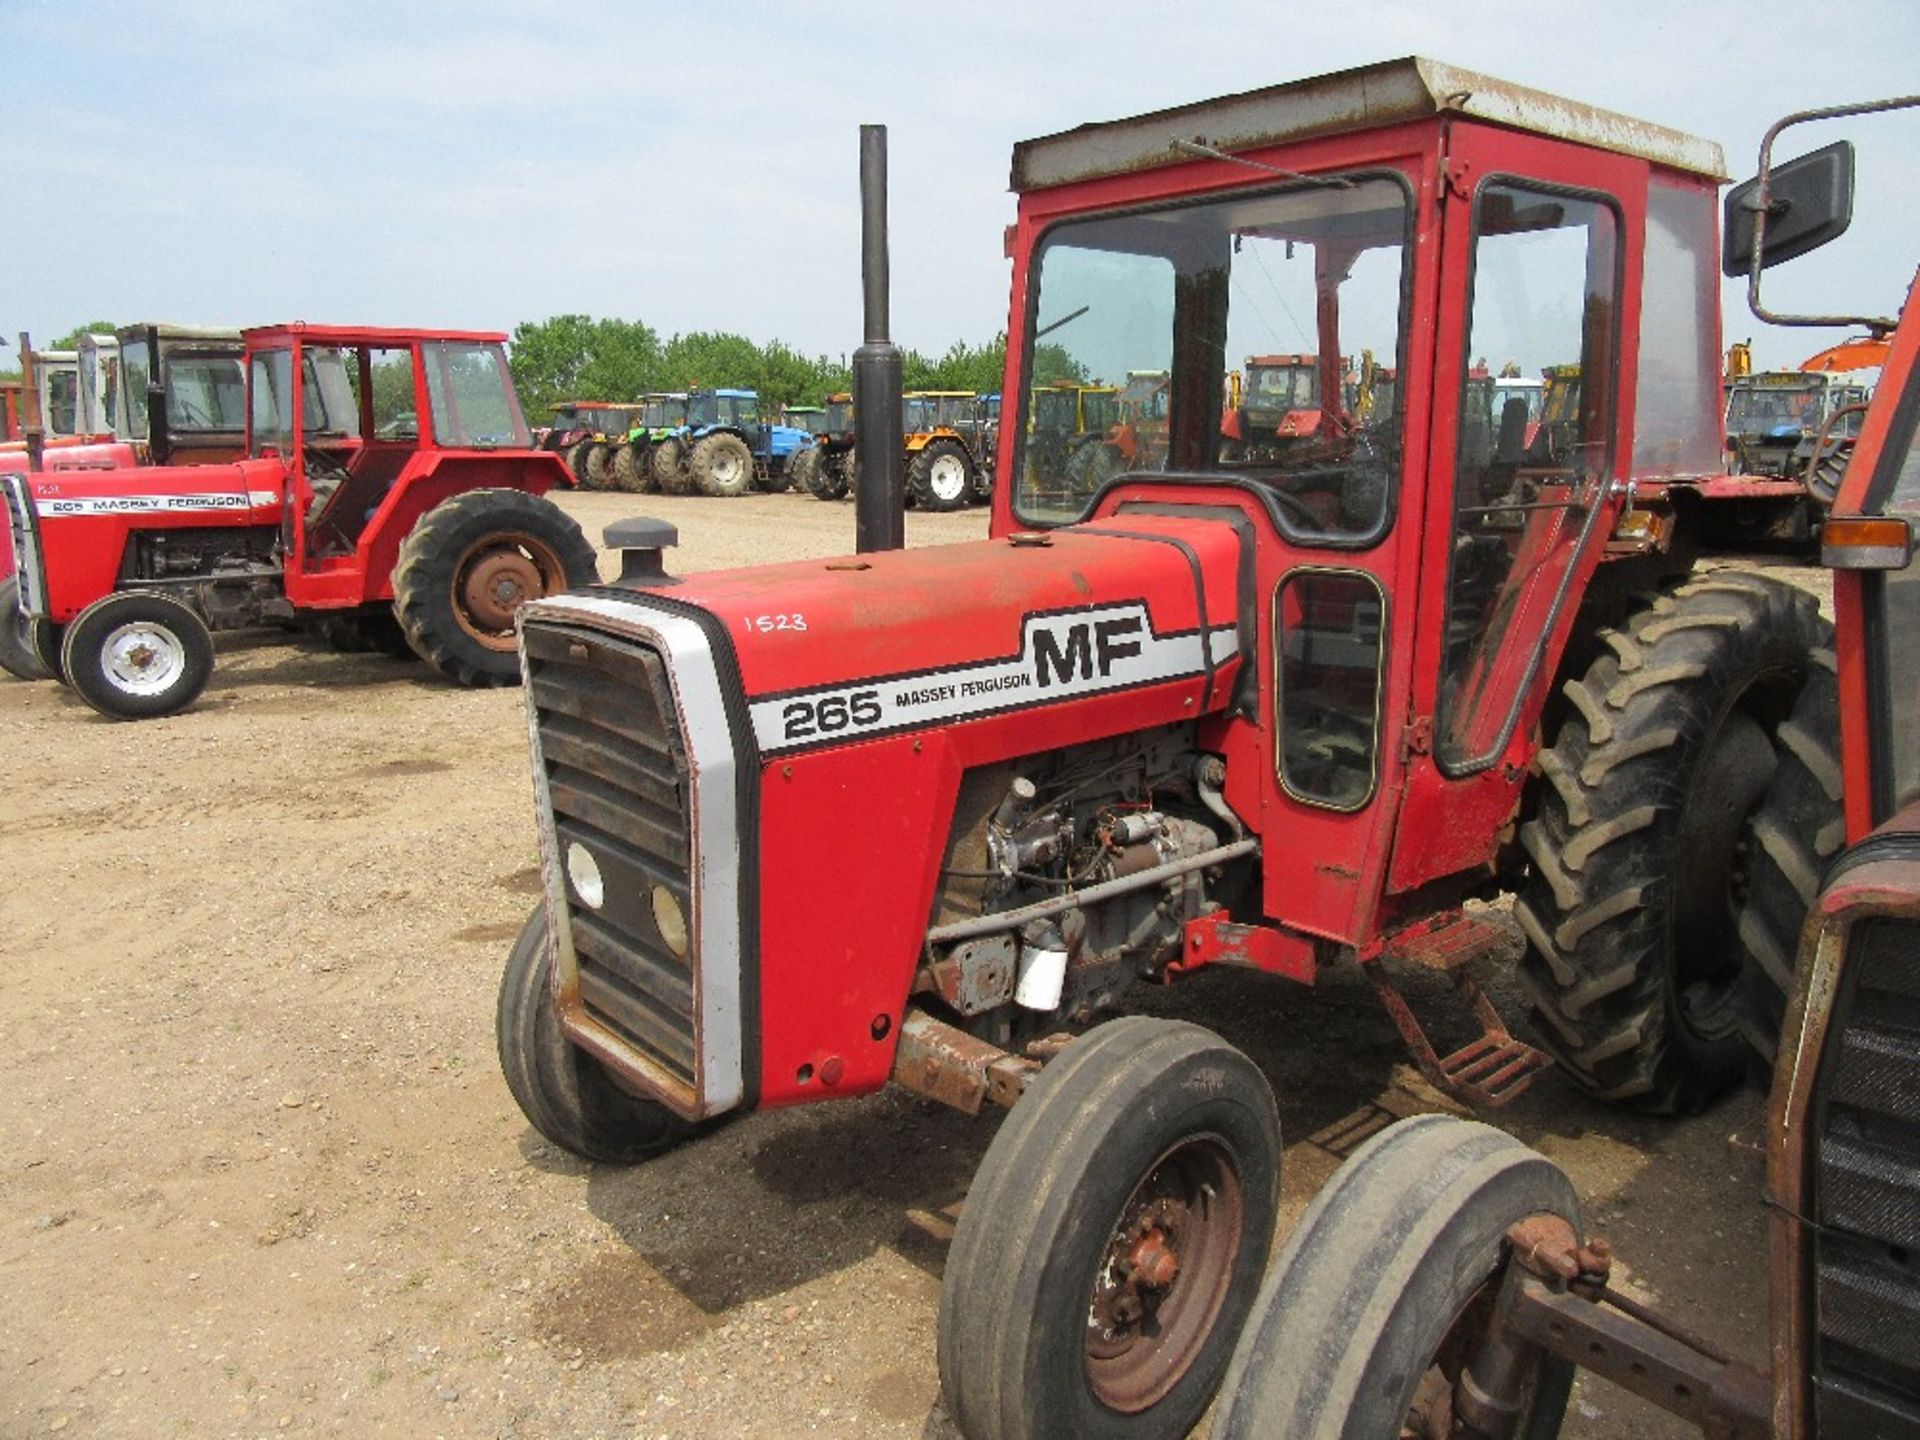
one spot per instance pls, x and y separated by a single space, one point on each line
880 494
33 425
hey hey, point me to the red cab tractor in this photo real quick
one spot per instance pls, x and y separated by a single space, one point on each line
391 497
1284 712
1441 1284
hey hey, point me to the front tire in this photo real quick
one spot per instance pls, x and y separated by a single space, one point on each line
1112 1240
18 657
138 655
941 476
469 564
597 472
722 466
1379 1298
563 1091
1633 959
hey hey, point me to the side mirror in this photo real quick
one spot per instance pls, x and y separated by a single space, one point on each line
1810 201
159 438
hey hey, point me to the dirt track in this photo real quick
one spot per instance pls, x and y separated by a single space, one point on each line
259 1173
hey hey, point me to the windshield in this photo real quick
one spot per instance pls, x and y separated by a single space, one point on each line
703 409
1530 396
1292 387
205 394
471 395
1759 407
839 417
1056 410
1309 271
61 387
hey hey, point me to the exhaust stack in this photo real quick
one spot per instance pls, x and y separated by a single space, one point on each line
880 493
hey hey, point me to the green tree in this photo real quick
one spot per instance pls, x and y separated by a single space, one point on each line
71 340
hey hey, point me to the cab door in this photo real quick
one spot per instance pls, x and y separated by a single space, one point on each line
1539 277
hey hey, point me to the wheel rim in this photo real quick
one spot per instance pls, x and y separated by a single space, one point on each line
142 658
948 478
495 578
1164 1275
726 469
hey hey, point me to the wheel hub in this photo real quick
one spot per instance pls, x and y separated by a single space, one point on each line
495 585
1163 1276
949 478
143 659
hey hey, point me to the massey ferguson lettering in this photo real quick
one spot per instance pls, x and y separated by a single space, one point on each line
140 504
1060 656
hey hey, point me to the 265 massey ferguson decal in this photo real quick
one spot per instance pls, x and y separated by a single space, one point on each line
1061 655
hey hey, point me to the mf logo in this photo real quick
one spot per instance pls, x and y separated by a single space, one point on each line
1082 650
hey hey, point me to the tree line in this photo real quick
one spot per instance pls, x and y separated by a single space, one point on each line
583 357
579 357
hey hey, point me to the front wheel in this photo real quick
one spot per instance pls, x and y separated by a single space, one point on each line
18 657
563 1091
633 470
597 473
1112 1240
138 655
668 473
469 564
1386 1287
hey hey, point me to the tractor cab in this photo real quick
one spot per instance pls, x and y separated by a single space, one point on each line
370 405
183 393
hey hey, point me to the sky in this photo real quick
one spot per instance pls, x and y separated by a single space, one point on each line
483 163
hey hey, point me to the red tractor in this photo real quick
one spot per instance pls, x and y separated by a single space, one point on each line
1440 1284
1285 712
391 498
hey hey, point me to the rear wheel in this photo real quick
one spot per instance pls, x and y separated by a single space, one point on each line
469 564
1635 858
828 478
1112 1240
1386 1287
668 472
575 456
941 476
632 471
138 655
563 1091
1797 830
597 471
17 654
46 638
722 466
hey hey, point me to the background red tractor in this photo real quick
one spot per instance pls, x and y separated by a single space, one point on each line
1289 710
390 497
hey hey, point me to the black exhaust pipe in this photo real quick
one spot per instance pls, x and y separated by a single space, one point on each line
880 494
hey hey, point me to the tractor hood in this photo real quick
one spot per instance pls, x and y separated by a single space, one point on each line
238 488
835 650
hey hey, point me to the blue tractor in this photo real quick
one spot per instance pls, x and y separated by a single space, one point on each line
725 448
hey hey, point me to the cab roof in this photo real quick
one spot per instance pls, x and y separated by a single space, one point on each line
1388 93
362 334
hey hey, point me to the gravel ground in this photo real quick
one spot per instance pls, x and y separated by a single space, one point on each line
259 1174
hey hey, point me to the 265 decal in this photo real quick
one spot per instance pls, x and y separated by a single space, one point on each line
1112 647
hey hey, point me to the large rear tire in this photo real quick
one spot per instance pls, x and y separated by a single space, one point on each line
138 655
633 469
1386 1285
721 466
575 456
803 469
563 1091
835 476
17 654
1633 960
469 564
1112 1240
1796 832
597 472
668 471
941 476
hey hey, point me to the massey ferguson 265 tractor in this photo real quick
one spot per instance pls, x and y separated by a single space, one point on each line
1283 713
392 498
1440 1285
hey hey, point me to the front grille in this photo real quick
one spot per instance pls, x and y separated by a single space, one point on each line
26 544
1867 1191
617 785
